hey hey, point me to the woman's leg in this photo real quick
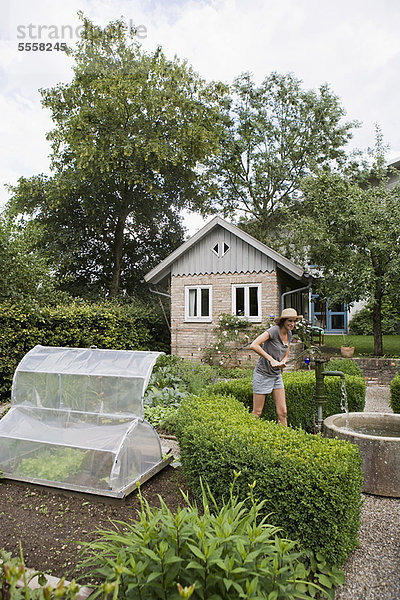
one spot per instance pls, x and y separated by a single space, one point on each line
279 398
258 404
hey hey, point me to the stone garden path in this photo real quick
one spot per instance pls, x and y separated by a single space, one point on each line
373 569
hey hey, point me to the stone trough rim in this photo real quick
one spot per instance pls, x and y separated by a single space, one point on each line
330 422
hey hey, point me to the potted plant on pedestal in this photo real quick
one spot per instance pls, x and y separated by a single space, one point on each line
346 350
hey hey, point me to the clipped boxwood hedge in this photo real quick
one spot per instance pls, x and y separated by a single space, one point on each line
346 365
78 325
300 388
395 393
311 485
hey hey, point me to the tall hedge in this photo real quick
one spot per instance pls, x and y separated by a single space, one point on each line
300 388
78 325
311 485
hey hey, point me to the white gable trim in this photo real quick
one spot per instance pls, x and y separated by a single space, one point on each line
161 270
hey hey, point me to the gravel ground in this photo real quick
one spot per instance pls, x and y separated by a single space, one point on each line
373 570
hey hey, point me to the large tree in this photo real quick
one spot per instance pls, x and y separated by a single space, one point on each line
278 134
77 235
352 227
132 132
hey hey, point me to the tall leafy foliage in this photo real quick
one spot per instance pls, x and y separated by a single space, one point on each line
132 131
278 133
352 227
24 274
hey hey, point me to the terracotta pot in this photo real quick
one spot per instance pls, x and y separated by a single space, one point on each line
347 351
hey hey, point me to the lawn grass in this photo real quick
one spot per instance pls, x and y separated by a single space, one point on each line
364 344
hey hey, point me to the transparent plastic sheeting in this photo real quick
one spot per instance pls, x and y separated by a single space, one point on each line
76 420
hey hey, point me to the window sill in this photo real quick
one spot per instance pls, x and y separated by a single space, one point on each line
198 320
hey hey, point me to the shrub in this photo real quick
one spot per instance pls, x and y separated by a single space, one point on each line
81 324
232 334
236 372
362 322
300 388
346 365
311 485
395 393
224 553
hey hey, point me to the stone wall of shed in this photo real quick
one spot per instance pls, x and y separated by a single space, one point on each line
188 340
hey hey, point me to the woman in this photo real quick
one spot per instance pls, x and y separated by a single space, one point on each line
273 348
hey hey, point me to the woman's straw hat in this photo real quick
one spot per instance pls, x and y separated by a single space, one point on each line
289 313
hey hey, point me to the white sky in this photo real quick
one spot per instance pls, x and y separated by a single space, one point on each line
353 45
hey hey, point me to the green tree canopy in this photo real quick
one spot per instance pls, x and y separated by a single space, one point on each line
278 134
24 273
132 133
352 229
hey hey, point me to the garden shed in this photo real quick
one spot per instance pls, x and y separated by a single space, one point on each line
76 421
222 269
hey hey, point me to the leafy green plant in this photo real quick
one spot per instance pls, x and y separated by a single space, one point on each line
311 485
227 551
165 376
173 378
161 416
395 394
167 396
15 579
54 465
171 370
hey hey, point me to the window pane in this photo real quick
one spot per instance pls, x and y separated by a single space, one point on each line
319 305
253 302
337 321
336 307
240 301
192 303
205 302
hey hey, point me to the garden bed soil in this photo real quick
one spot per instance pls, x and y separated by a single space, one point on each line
50 523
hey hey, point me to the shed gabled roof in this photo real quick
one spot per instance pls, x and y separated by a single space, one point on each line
164 268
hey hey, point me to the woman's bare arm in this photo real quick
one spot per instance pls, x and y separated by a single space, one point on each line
257 347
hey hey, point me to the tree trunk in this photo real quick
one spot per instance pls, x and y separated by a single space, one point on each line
117 255
377 319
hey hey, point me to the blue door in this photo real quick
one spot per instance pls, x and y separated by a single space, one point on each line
332 317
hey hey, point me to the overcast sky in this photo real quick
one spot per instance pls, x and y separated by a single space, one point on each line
353 45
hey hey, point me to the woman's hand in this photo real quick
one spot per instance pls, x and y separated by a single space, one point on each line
276 363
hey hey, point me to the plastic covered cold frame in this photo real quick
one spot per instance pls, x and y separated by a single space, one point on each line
76 421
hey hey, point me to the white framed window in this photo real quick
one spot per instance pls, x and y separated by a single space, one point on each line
198 303
246 301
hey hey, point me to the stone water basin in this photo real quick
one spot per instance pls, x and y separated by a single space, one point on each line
378 438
